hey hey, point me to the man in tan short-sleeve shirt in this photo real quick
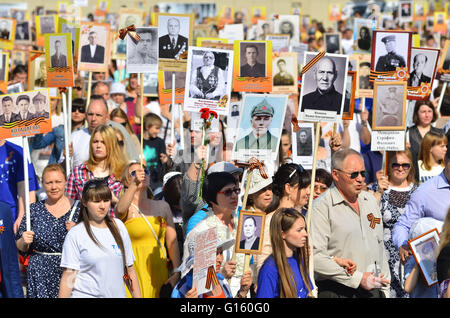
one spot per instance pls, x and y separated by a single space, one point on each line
346 225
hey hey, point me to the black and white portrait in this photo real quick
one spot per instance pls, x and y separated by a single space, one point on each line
93 43
349 103
23 32
39 73
151 84
58 51
333 43
47 24
323 85
391 50
284 69
5 29
389 105
73 30
252 59
18 15
3 67
208 79
250 236
362 34
423 66
304 142
142 55
288 24
173 33
180 79
405 11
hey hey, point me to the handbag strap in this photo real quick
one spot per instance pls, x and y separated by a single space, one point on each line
151 228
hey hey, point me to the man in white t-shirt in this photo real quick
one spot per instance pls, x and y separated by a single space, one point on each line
97 114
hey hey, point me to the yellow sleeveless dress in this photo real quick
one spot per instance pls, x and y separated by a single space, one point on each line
150 264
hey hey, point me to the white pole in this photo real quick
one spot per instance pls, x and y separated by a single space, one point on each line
69 111
26 151
66 133
180 114
172 128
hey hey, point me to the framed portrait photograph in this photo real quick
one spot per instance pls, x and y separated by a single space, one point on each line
285 73
208 80
422 71
102 7
175 35
350 90
280 42
288 24
425 250
130 16
94 48
440 23
20 15
258 13
142 55
119 49
333 43
334 12
30 108
151 84
7 33
322 94
37 72
18 57
59 60
165 86
45 24
23 33
250 232
390 55
389 105
260 126
362 35
405 11
420 11
364 86
73 29
14 88
260 30
443 73
303 145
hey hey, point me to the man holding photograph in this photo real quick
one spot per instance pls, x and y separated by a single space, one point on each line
325 97
260 137
391 60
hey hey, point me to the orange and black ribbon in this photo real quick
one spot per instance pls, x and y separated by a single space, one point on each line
131 30
256 164
373 220
294 122
211 278
62 90
313 61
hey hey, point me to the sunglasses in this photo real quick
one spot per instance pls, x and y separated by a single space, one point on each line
120 142
299 168
397 166
354 175
80 109
95 183
229 192
133 173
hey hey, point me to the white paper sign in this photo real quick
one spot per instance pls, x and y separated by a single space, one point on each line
205 250
387 140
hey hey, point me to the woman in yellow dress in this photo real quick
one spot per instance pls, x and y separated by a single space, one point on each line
146 219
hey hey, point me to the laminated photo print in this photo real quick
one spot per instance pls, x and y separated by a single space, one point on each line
142 55
95 43
422 71
59 60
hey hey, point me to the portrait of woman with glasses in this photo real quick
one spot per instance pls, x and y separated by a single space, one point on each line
393 191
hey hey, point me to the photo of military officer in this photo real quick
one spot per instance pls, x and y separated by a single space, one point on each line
389 105
391 50
172 43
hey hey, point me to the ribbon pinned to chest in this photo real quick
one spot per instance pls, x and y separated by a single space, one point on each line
373 220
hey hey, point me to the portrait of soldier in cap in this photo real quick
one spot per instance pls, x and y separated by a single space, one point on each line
391 60
283 77
260 137
40 105
389 106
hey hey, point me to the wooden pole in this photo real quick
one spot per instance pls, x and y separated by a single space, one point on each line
26 151
441 98
88 99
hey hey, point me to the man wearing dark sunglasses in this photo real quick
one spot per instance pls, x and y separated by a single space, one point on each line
346 223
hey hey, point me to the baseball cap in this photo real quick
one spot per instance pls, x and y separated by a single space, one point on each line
224 166
118 88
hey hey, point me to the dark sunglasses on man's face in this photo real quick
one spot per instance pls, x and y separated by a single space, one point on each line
80 109
229 192
397 166
354 175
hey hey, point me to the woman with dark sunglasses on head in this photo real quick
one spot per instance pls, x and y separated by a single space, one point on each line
151 228
393 191
97 256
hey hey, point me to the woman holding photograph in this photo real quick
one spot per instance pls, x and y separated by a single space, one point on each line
424 115
97 256
150 226
431 155
285 272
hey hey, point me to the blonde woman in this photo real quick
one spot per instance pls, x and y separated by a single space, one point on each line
120 117
150 226
105 163
431 155
284 274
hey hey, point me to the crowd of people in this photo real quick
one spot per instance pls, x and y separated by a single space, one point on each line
123 221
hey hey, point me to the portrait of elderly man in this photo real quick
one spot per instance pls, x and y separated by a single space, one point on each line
283 77
260 137
391 60
324 97
208 80
252 68
173 44
144 50
93 52
346 225
58 59
417 76
40 105
8 115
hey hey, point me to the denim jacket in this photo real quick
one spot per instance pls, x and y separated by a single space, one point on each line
55 136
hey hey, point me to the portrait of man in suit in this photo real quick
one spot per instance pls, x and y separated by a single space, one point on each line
47 25
22 31
252 68
93 52
23 102
8 115
5 30
173 44
58 59
417 76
